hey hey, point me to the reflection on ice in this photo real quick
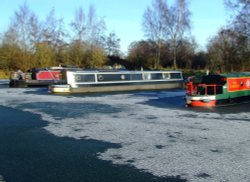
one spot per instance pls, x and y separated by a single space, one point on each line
199 146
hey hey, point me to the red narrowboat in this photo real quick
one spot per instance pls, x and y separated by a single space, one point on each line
35 77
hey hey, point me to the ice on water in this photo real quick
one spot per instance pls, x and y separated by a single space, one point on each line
4 82
197 146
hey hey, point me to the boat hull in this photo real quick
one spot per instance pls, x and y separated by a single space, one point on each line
31 83
213 101
201 101
115 88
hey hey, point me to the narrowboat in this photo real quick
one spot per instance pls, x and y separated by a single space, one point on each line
35 77
116 80
221 89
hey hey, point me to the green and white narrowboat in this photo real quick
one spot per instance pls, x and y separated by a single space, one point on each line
221 89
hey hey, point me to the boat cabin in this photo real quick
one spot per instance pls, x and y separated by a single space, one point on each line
209 85
76 81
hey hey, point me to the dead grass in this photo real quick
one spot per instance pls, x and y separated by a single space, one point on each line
4 74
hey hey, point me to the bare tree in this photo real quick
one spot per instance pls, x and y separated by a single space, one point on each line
96 28
167 23
20 32
177 23
241 14
79 25
11 36
88 27
34 43
20 21
35 31
54 35
112 45
49 28
153 26
224 52
95 54
240 24
89 36
186 51
142 54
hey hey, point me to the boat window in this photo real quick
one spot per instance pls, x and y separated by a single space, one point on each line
210 90
78 77
156 76
201 90
136 77
147 76
166 75
219 90
175 75
113 77
100 77
85 78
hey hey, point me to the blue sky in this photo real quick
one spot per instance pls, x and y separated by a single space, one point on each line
124 17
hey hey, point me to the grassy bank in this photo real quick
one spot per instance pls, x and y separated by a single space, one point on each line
4 74
198 73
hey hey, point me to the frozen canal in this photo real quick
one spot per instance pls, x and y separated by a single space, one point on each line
135 136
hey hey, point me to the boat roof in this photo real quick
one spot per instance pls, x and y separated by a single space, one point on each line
123 71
